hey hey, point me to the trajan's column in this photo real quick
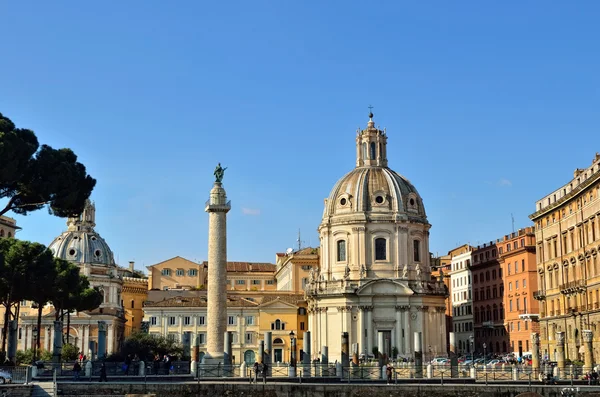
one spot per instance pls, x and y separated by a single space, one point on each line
217 207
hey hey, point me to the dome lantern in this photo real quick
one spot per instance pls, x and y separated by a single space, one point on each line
371 146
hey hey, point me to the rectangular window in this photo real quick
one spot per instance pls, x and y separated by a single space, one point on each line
524 283
249 320
255 282
270 282
509 266
202 338
230 320
180 272
522 265
302 326
173 337
192 272
517 284
187 320
417 250
510 305
381 249
153 320
249 337
172 320
165 272
341 250
201 320
240 282
522 242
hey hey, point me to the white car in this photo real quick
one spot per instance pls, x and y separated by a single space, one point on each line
5 377
439 361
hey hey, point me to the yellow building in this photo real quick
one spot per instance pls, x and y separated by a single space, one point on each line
135 293
181 316
182 274
567 233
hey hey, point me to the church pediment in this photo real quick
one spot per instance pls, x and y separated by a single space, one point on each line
384 287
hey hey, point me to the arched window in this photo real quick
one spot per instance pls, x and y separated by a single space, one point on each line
1 232
9 234
364 150
278 325
373 154
341 250
132 304
417 250
380 249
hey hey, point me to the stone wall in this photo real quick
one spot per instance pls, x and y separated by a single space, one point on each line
16 390
311 390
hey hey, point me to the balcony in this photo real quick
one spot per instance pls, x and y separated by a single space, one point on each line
523 315
573 287
539 295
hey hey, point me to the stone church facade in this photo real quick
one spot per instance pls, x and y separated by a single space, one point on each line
375 278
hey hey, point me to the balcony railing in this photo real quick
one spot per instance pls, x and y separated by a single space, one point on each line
539 295
573 287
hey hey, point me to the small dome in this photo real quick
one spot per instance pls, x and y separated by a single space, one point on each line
375 189
80 243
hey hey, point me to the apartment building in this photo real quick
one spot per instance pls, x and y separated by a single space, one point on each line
518 264
488 306
462 303
567 236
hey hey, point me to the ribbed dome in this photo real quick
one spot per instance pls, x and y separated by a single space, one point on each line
82 247
374 189
80 243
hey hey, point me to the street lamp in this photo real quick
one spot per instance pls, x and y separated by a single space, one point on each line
484 347
292 349
472 340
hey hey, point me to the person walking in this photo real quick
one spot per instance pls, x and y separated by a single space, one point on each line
388 373
255 369
76 371
103 373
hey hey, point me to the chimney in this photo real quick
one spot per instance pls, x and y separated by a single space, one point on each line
131 263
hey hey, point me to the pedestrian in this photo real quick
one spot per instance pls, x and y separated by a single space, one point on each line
265 370
76 370
388 372
255 369
103 373
156 364
127 364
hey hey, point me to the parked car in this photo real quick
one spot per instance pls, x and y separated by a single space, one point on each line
5 377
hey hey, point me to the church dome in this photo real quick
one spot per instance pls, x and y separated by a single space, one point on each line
372 186
80 243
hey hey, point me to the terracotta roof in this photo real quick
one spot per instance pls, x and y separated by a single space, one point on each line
293 299
197 302
245 267
307 251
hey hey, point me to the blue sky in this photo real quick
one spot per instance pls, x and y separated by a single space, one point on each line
488 106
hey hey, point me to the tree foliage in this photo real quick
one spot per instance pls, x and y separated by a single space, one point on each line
32 176
146 346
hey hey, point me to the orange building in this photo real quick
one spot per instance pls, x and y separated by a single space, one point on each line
487 300
518 262
441 266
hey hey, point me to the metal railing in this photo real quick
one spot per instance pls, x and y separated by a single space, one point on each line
115 368
14 374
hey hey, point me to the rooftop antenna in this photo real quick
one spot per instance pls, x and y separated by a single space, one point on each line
299 241
513 222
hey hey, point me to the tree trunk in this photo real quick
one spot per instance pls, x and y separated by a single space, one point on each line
39 327
68 325
5 327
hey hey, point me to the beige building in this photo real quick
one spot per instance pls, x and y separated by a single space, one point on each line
8 227
567 234
182 316
374 280
183 274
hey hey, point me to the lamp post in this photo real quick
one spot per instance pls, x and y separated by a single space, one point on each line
292 349
472 340
484 347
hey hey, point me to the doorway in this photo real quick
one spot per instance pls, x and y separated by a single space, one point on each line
278 355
